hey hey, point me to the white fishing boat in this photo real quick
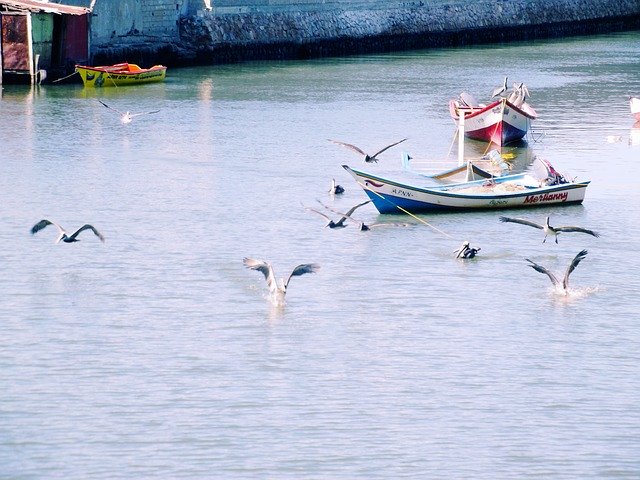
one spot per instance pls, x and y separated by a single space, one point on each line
543 186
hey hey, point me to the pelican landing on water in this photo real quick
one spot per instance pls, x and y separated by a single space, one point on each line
278 290
367 158
548 229
340 222
565 281
62 234
127 117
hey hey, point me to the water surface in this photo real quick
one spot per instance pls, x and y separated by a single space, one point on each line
157 354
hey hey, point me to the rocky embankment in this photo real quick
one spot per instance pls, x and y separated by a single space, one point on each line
211 38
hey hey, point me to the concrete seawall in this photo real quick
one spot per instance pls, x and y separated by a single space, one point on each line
211 37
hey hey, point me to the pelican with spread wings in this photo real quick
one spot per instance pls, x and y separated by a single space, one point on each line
548 229
62 233
340 223
564 285
127 117
278 290
367 158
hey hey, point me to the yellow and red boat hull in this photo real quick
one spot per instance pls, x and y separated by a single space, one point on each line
120 74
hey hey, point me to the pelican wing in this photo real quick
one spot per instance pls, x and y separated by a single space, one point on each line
87 227
387 148
349 146
353 209
309 209
541 269
265 268
387 224
574 263
145 113
42 224
522 221
577 229
111 108
301 270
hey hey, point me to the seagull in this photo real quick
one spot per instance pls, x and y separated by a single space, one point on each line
276 290
363 227
548 229
465 251
500 90
335 188
339 223
367 158
127 117
63 234
565 281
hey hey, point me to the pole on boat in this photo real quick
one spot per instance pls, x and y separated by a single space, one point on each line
460 137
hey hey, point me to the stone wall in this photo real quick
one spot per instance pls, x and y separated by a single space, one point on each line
235 30
345 29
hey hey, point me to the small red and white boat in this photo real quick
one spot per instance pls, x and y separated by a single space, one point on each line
634 104
501 122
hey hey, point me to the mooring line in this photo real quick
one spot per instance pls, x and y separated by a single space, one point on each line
366 187
64 78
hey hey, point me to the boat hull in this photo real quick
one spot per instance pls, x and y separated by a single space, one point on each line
500 122
120 75
392 197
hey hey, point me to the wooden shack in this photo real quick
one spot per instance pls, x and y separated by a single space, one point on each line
41 40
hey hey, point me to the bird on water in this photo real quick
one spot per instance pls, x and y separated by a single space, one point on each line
340 223
278 290
127 117
367 158
62 234
466 251
548 229
500 90
565 281
335 188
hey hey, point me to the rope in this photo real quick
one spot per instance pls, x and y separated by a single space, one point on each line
64 78
404 210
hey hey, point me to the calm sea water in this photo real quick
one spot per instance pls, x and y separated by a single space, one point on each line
158 355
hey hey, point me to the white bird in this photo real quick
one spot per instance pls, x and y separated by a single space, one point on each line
367 158
127 117
500 90
548 229
565 281
62 234
335 188
340 222
278 290
465 251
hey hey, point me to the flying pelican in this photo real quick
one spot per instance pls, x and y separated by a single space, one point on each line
63 234
276 290
500 90
127 117
565 281
367 158
335 188
548 229
363 227
339 223
465 251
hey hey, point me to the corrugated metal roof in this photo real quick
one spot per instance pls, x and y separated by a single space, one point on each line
41 6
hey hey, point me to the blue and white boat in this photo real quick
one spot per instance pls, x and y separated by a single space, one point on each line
542 187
